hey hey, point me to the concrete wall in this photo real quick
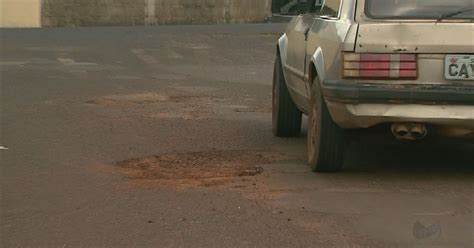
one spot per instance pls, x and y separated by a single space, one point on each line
211 11
57 13
92 12
151 12
20 13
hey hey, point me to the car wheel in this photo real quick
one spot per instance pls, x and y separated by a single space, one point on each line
325 138
286 116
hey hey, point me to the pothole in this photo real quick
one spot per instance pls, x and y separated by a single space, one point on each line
138 98
195 89
162 106
256 109
180 106
197 169
143 98
170 115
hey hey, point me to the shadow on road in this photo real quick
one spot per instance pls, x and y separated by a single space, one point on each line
447 158
376 151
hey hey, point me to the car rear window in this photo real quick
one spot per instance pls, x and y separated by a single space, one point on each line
419 9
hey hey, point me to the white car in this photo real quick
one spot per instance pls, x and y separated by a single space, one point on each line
356 64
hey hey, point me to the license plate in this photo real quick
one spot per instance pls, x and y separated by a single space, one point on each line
459 67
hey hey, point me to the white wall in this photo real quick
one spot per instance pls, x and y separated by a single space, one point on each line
20 13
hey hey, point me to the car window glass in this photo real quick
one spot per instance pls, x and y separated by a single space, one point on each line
330 8
310 6
420 9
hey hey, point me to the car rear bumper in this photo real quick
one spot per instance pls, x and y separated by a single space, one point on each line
352 92
449 110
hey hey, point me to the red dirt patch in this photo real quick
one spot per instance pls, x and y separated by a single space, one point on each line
138 98
265 109
196 169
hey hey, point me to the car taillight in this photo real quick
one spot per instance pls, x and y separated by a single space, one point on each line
375 65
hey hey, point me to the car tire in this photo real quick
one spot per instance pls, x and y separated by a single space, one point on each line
286 117
326 143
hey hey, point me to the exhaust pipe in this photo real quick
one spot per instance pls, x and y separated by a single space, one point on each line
419 131
409 131
400 130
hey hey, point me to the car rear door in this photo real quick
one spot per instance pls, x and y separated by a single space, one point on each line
296 54
328 34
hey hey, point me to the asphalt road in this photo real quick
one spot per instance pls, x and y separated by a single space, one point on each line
161 137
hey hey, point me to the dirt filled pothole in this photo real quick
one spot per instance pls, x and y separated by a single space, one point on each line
139 98
197 169
162 106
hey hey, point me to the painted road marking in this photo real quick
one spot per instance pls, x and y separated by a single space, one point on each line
145 57
72 62
3 148
13 63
